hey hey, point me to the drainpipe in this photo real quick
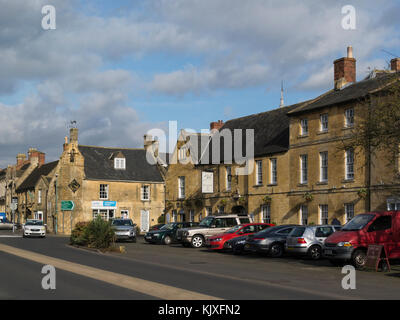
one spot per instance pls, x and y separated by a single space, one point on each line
56 213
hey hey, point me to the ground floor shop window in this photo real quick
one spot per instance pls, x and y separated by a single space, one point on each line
105 214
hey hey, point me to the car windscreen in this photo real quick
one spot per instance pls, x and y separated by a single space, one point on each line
297 232
206 222
358 222
168 226
122 222
34 223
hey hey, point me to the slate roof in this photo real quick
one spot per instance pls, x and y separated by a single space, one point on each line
271 132
352 92
98 165
30 182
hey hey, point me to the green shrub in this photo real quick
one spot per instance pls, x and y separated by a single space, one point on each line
95 234
77 235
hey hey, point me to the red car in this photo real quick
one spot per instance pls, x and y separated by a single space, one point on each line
217 242
351 243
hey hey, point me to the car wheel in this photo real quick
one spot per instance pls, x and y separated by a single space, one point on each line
167 240
276 250
359 259
197 241
315 252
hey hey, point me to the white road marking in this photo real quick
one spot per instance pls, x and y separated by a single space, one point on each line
150 288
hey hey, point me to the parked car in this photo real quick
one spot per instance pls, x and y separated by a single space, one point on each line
6 225
167 233
236 245
270 241
217 242
351 243
208 227
309 240
157 226
34 228
124 229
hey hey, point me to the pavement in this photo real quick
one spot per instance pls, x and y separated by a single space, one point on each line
177 271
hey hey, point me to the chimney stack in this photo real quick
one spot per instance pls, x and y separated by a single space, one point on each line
216 125
395 64
149 142
345 70
40 157
21 157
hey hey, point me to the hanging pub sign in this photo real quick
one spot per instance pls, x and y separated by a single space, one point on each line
207 182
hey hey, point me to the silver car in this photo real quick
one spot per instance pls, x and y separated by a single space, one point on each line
124 229
6 225
309 240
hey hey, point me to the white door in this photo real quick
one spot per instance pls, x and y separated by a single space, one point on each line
144 220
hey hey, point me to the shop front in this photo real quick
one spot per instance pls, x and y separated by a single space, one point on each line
105 209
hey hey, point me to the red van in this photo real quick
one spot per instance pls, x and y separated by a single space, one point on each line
351 243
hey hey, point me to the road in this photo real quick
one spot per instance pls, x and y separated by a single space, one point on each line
148 271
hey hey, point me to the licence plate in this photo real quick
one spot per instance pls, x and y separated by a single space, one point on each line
328 252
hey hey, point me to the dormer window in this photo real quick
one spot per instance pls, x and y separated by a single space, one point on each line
119 163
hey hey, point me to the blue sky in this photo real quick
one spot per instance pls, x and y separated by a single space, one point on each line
121 68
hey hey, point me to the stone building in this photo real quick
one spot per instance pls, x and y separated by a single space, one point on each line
33 192
302 174
110 182
15 175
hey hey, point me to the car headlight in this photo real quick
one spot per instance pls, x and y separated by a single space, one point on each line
156 234
241 242
344 244
217 239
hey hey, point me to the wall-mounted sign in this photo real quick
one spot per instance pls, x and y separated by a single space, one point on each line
207 182
104 204
67 205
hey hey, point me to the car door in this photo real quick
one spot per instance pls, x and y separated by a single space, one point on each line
247 230
219 226
321 233
282 234
381 232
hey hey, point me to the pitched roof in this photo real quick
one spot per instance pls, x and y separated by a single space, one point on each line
30 182
351 92
98 165
271 132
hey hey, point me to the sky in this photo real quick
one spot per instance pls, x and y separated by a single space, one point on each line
121 68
